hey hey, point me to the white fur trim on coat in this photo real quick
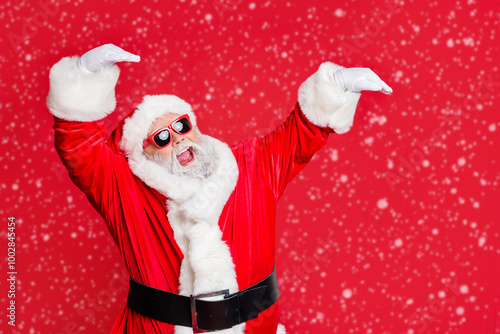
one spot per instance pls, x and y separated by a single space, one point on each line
76 95
324 103
194 205
281 329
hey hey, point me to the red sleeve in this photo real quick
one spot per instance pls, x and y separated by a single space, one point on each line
92 165
285 151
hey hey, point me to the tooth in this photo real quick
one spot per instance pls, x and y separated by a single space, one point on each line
187 148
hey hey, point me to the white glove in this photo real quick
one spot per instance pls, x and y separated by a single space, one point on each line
104 56
357 79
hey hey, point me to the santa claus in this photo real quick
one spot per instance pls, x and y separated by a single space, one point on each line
193 218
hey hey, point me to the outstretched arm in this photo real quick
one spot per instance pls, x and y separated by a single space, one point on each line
82 93
329 97
327 103
83 88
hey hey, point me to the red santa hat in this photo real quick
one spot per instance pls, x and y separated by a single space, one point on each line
151 108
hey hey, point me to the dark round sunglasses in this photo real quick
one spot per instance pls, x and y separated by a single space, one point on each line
162 137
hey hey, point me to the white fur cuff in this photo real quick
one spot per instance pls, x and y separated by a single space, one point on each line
76 95
324 103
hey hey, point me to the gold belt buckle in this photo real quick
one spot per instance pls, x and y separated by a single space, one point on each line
194 314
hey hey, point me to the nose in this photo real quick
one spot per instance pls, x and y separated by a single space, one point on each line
176 138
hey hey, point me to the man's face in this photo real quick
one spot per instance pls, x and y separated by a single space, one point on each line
188 155
184 157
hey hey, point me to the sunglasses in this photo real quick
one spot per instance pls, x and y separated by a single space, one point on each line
162 137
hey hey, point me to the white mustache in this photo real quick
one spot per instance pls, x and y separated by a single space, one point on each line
182 146
205 163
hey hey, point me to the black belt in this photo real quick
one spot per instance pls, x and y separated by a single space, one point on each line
204 315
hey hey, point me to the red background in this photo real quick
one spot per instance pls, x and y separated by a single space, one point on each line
393 227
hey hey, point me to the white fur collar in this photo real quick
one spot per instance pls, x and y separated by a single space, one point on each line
194 208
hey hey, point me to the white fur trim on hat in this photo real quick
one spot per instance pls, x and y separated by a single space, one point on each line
76 95
324 103
152 107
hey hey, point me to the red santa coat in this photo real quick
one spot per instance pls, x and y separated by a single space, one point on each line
136 214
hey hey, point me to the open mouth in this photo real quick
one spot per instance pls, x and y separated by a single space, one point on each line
186 156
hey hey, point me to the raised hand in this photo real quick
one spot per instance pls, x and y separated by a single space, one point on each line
104 56
357 79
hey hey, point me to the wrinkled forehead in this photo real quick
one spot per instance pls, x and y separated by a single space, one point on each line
162 121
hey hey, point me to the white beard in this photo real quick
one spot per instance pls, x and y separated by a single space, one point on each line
205 161
196 195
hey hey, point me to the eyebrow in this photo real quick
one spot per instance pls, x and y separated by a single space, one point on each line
163 126
160 127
